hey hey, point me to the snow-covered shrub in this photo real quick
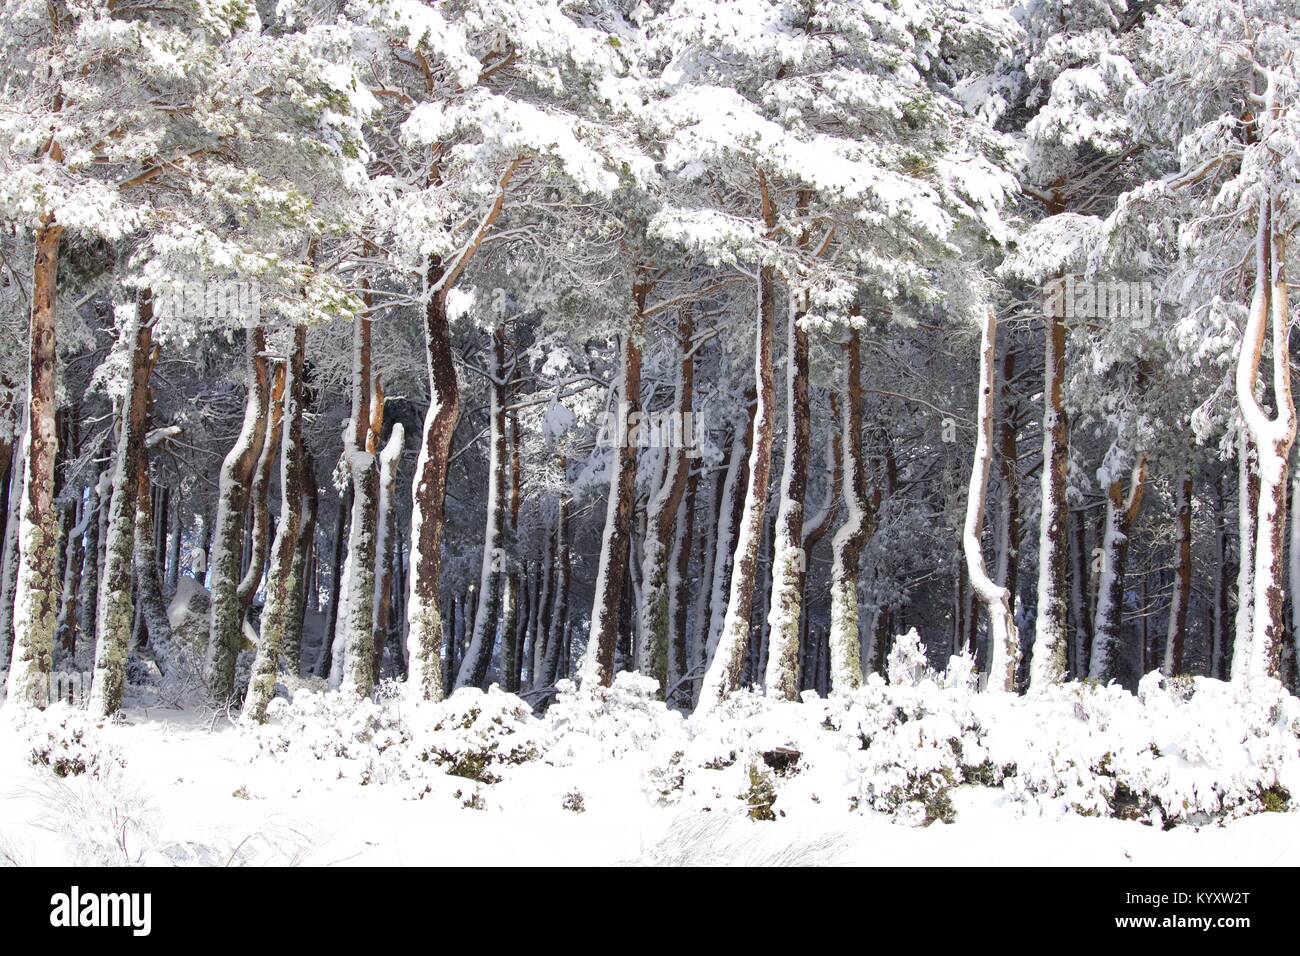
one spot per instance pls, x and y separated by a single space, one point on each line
474 734
68 742
361 739
961 673
604 723
907 664
912 741
751 755
1182 752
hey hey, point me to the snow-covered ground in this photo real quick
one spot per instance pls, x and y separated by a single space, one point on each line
920 771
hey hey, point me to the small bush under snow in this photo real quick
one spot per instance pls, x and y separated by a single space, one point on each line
473 734
66 740
1181 752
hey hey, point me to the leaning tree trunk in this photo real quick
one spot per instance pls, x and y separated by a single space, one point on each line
658 553
361 446
1121 510
260 492
226 617
116 605
1176 635
844 643
36 586
611 575
282 583
493 567
1048 658
1272 437
424 632
790 557
727 528
1004 643
724 673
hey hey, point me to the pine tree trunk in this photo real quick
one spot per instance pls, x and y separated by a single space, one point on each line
325 664
226 617
1176 635
9 567
511 639
679 591
424 631
1247 518
282 584
708 555
36 587
654 641
259 533
1048 658
88 600
1273 438
494 568
547 571
302 571
361 446
116 604
790 557
1008 554
815 529
1004 642
1080 605
725 670
731 503
1220 633
555 642
151 605
611 574
1121 510
844 643
65 633
386 557
174 549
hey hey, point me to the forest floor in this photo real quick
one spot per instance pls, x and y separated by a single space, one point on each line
193 794
618 779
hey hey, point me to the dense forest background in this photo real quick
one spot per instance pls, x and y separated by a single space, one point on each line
475 342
